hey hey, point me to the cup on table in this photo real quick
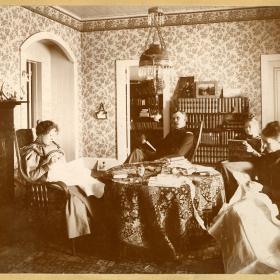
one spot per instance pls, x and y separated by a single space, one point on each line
141 170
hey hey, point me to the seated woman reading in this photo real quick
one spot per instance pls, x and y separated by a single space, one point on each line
251 137
248 227
253 148
178 142
44 160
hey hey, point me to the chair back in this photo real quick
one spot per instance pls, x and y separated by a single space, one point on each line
23 137
197 139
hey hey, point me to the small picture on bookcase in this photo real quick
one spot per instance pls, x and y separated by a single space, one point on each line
185 87
206 89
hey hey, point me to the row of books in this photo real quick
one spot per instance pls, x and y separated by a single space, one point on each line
146 87
211 121
210 155
213 105
233 125
145 125
218 138
147 101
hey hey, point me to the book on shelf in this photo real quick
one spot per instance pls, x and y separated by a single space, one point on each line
143 125
213 105
210 155
144 113
223 120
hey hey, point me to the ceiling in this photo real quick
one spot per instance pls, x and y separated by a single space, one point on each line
95 12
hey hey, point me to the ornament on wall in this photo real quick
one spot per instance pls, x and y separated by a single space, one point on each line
101 114
7 95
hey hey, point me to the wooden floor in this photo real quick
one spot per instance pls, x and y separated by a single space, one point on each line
23 250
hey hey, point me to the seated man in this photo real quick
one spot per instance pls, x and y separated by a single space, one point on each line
178 142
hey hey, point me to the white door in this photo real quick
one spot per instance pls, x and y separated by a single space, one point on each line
123 107
270 74
34 93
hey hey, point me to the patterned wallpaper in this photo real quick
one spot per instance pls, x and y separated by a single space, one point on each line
228 52
18 24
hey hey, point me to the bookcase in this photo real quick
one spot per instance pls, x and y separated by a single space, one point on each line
145 105
223 120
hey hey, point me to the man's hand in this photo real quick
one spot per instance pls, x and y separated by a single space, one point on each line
143 139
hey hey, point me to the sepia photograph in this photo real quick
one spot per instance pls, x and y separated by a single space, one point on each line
119 156
185 87
206 89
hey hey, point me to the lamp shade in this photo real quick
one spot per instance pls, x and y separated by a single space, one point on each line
154 61
155 55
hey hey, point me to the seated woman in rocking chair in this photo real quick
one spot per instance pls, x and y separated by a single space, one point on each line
44 160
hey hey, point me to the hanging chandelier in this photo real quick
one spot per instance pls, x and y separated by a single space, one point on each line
154 62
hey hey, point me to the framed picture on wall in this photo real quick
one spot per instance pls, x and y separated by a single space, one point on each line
185 87
206 89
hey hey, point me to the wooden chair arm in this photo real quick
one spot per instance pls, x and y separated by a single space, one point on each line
59 185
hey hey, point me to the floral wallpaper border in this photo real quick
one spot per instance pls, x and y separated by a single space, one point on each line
205 17
56 15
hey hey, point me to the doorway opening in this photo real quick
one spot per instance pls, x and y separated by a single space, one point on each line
127 75
270 75
50 88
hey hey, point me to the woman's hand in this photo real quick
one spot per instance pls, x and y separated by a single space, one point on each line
52 159
249 149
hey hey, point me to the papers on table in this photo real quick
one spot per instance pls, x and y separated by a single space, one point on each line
179 158
120 174
168 180
180 163
183 163
206 169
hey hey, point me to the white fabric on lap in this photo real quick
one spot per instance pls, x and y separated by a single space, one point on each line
74 173
248 230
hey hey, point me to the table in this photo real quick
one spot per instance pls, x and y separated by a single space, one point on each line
161 219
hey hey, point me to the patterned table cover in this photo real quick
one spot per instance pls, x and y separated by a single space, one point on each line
162 218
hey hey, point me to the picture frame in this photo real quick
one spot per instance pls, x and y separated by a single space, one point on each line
185 87
206 89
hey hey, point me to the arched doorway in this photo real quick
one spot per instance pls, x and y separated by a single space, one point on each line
48 77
